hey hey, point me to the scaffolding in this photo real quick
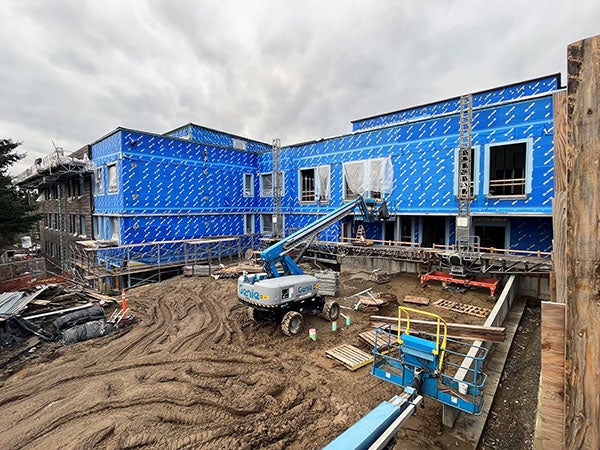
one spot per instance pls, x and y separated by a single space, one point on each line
465 183
105 266
277 190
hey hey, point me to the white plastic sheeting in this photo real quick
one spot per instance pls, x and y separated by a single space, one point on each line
322 185
112 178
370 175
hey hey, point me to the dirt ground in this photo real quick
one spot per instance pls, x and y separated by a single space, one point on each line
196 372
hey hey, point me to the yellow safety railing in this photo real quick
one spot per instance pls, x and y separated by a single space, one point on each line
441 329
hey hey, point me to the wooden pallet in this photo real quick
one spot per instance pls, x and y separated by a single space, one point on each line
463 308
368 337
351 357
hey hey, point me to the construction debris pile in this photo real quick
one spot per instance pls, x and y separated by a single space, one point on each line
65 313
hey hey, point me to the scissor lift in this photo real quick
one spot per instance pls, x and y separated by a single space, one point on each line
426 363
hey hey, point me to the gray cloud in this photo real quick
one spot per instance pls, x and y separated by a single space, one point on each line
74 70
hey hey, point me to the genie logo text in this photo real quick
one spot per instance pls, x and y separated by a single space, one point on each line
305 289
248 293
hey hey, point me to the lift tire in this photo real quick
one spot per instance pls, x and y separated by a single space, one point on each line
331 310
292 322
254 314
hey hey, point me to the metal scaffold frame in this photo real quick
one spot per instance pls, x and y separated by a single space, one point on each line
94 262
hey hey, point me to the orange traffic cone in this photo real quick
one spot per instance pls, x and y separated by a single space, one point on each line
123 302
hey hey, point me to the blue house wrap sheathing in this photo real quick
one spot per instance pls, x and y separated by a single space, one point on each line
197 182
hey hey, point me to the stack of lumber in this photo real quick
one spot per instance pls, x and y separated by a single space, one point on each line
329 282
455 330
196 270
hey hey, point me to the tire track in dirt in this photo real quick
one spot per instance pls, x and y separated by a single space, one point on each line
195 372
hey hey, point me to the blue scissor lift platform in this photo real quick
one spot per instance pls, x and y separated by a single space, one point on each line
430 364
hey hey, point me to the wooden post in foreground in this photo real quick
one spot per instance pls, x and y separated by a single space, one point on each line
582 370
550 427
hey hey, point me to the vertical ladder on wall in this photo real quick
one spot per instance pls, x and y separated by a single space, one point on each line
360 232
464 242
277 190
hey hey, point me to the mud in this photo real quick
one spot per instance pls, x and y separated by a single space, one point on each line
197 372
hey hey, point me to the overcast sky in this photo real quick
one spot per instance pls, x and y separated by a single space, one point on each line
73 71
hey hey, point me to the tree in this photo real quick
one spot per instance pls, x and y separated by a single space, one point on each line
16 214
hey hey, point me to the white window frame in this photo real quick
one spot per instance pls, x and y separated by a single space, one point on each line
266 219
528 169
82 227
99 180
114 228
476 169
248 217
300 185
248 191
113 178
317 182
263 191
98 225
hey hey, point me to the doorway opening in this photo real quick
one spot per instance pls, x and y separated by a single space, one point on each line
434 231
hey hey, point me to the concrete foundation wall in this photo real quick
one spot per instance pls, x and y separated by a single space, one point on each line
535 286
370 263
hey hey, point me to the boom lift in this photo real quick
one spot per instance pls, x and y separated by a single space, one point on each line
283 292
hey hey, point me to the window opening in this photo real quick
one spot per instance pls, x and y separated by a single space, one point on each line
307 185
266 223
248 185
112 178
266 185
249 224
82 226
507 169
98 181
491 236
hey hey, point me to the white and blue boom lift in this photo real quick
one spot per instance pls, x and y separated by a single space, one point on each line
283 292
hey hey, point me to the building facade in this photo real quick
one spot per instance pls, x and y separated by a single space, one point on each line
65 199
194 182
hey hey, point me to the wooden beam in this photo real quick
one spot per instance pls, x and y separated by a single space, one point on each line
550 425
455 330
559 205
582 390
552 395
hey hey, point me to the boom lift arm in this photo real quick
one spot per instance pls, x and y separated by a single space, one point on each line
278 252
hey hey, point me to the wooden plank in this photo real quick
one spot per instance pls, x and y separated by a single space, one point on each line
351 357
368 337
552 372
456 330
560 141
558 291
462 308
416 300
39 302
582 390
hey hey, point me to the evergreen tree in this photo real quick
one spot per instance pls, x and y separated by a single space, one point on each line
16 214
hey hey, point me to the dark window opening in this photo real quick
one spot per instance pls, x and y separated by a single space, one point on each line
507 169
307 185
434 231
406 230
389 231
491 236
